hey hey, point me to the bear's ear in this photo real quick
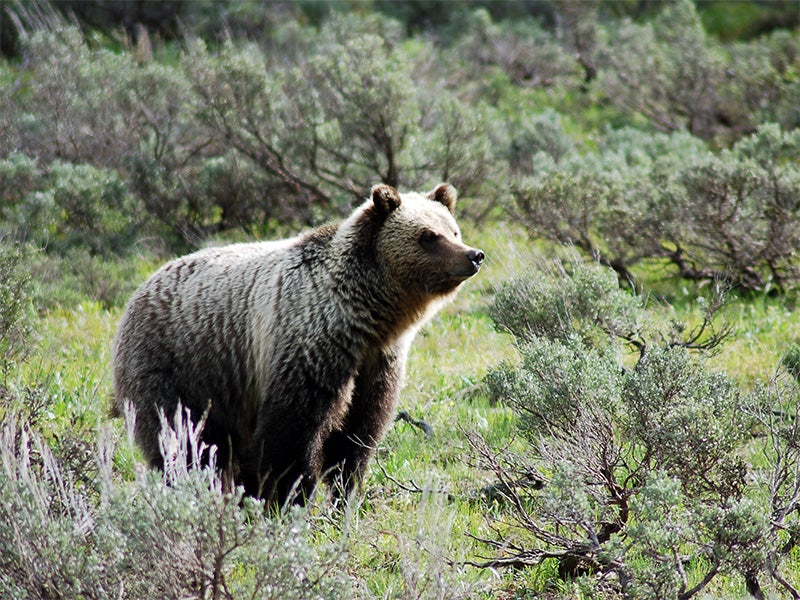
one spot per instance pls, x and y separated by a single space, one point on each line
445 194
385 198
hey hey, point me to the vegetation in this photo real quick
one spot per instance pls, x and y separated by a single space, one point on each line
613 401
730 216
169 536
636 470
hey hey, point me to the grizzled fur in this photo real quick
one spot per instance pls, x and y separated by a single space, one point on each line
296 349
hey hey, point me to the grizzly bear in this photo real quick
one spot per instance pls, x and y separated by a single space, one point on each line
294 351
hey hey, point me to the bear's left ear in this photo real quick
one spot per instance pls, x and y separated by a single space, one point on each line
445 194
385 198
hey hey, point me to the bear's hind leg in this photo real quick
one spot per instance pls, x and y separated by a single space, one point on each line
140 402
277 466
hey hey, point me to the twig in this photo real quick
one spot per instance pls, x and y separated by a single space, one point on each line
426 429
413 488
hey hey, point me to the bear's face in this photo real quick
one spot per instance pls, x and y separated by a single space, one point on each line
419 244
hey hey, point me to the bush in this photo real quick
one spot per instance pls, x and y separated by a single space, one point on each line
69 206
741 213
19 175
526 53
69 107
91 208
295 122
587 303
171 535
540 133
15 321
85 105
676 86
732 216
456 144
763 85
635 462
321 133
690 81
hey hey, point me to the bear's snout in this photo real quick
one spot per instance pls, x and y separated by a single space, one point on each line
467 263
476 256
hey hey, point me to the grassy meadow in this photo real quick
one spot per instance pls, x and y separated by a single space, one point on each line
412 531
620 163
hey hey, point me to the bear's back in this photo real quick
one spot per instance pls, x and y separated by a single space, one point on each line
187 331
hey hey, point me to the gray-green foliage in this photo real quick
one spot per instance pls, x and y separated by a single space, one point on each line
679 77
295 122
171 535
15 321
521 50
350 113
638 456
67 206
82 202
19 175
87 106
301 127
762 80
668 70
534 135
742 211
83 103
732 216
587 304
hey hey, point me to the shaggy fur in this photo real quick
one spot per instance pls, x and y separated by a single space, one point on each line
296 349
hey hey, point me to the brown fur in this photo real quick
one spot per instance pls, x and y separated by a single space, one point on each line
296 348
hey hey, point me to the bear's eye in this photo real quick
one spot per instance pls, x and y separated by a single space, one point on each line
428 238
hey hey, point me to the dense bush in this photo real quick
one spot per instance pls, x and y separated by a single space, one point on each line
347 115
524 51
690 81
295 124
171 535
677 84
635 476
240 134
732 216
15 321
69 205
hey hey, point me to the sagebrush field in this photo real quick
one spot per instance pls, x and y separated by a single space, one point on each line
609 409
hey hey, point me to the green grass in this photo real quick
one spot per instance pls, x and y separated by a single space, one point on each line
400 543
743 19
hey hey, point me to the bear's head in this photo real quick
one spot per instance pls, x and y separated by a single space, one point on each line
419 243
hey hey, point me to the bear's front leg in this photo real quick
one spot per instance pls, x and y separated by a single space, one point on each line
347 451
281 464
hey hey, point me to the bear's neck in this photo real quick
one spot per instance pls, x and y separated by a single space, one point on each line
382 310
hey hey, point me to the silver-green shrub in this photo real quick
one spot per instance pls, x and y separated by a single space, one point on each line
635 446
15 320
175 534
732 216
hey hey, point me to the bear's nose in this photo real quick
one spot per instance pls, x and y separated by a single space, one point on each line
476 256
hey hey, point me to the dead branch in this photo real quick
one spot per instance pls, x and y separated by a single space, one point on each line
426 429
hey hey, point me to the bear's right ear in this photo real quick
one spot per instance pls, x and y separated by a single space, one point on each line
385 198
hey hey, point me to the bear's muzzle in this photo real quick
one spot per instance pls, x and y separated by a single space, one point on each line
468 264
